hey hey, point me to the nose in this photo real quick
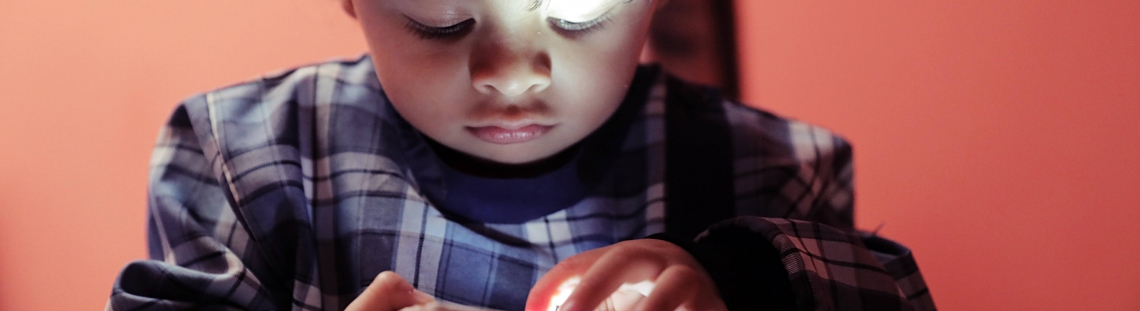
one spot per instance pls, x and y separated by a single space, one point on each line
509 67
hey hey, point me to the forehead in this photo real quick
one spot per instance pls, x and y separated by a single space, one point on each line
531 5
578 4
573 10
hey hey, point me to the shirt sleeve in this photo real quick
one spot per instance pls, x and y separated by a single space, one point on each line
824 268
200 253
793 245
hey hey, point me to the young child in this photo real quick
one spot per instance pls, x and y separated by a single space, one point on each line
488 152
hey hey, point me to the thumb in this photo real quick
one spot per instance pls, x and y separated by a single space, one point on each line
388 292
553 288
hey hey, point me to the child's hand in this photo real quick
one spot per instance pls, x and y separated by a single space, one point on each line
388 292
679 282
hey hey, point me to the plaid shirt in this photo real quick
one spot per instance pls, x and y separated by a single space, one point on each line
295 190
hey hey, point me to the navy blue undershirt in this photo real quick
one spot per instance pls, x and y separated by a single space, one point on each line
498 193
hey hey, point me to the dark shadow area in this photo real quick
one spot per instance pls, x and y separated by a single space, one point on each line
695 40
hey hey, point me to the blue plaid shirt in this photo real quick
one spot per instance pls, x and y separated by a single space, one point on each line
295 190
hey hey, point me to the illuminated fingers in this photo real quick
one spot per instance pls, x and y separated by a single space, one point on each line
632 275
616 267
623 300
388 292
681 286
554 287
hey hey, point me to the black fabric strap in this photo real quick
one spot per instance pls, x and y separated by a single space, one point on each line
698 160
752 276
699 193
748 274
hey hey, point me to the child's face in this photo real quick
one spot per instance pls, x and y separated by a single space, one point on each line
504 80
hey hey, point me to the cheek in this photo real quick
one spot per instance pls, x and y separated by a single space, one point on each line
608 56
595 77
410 68
420 66
426 107
420 78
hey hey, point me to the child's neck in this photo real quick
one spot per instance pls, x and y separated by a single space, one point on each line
471 165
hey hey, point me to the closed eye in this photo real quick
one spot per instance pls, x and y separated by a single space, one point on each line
574 29
446 32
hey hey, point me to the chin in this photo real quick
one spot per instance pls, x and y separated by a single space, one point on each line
518 155
516 158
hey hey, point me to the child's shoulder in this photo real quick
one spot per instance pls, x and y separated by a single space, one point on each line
310 84
756 126
768 164
754 131
285 107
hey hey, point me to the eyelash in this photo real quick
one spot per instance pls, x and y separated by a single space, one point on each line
431 33
564 27
572 29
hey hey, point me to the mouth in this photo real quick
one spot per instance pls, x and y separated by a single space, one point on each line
509 134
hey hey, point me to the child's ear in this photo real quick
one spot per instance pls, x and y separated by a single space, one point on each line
348 7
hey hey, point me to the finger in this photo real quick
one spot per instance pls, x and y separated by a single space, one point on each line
618 266
675 286
622 300
422 297
539 298
683 288
388 292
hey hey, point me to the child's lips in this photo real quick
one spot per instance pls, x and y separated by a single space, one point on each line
513 135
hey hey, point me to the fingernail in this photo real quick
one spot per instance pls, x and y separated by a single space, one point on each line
565 307
422 296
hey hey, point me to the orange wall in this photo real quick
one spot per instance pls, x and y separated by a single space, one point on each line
999 139
994 137
84 87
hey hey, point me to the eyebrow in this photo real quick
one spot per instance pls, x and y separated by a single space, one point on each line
534 5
